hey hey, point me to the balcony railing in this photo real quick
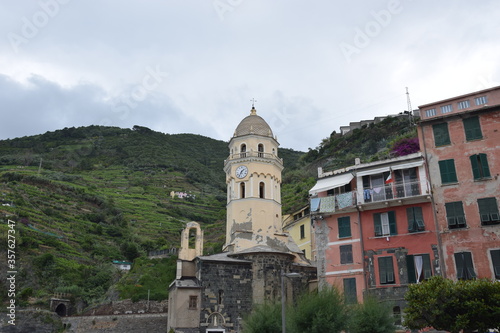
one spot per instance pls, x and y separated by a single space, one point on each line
258 154
394 191
386 192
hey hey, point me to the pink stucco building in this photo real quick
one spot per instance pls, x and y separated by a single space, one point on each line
460 138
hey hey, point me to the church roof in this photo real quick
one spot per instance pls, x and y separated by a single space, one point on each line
253 124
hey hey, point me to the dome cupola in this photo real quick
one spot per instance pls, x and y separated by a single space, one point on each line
253 124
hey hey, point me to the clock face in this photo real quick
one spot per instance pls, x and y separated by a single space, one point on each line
241 171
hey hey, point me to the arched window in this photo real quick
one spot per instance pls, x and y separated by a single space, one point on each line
396 311
242 190
260 148
243 150
262 190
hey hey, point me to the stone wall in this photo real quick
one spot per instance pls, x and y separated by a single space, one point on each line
132 323
227 290
128 307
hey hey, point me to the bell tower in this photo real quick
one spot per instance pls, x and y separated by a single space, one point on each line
253 179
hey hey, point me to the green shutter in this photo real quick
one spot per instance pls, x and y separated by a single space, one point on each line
483 160
392 223
448 172
441 135
475 166
382 269
411 220
378 224
495 259
459 263
350 290
427 266
344 226
472 129
410 265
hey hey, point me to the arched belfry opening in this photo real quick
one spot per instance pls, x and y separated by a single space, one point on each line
262 190
243 150
260 149
242 190
191 241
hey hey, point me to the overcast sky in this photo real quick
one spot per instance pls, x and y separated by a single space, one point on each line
193 66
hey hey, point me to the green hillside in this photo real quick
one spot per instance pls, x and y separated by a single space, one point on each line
82 197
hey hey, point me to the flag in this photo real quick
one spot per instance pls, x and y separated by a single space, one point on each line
389 178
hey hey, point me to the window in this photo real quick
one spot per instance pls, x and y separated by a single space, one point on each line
430 112
344 227
220 296
385 224
260 148
396 313
495 260
419 267
472 129
441 134
302 232
481 100
386 270
465 268
350 294
243 150
346 254
455 215
447 171
488 211
479 164
415 219
242 190
407 184
193 302
463 104
446 108
262 190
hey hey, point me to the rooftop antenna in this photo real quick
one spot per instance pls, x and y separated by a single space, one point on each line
410 110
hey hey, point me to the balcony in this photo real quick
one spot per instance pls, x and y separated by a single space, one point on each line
394 191
254 155
382 194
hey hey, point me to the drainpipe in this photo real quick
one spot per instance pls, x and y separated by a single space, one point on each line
436 222
361 243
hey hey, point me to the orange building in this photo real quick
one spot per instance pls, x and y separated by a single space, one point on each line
460 138
375 230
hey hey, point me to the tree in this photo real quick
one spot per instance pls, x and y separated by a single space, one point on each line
372 317
265 318
466 305
319 312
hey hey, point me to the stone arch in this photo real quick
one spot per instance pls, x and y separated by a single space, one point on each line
60 306
216 319
188 252
61 310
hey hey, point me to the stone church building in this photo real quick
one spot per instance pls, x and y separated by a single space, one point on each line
213 293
